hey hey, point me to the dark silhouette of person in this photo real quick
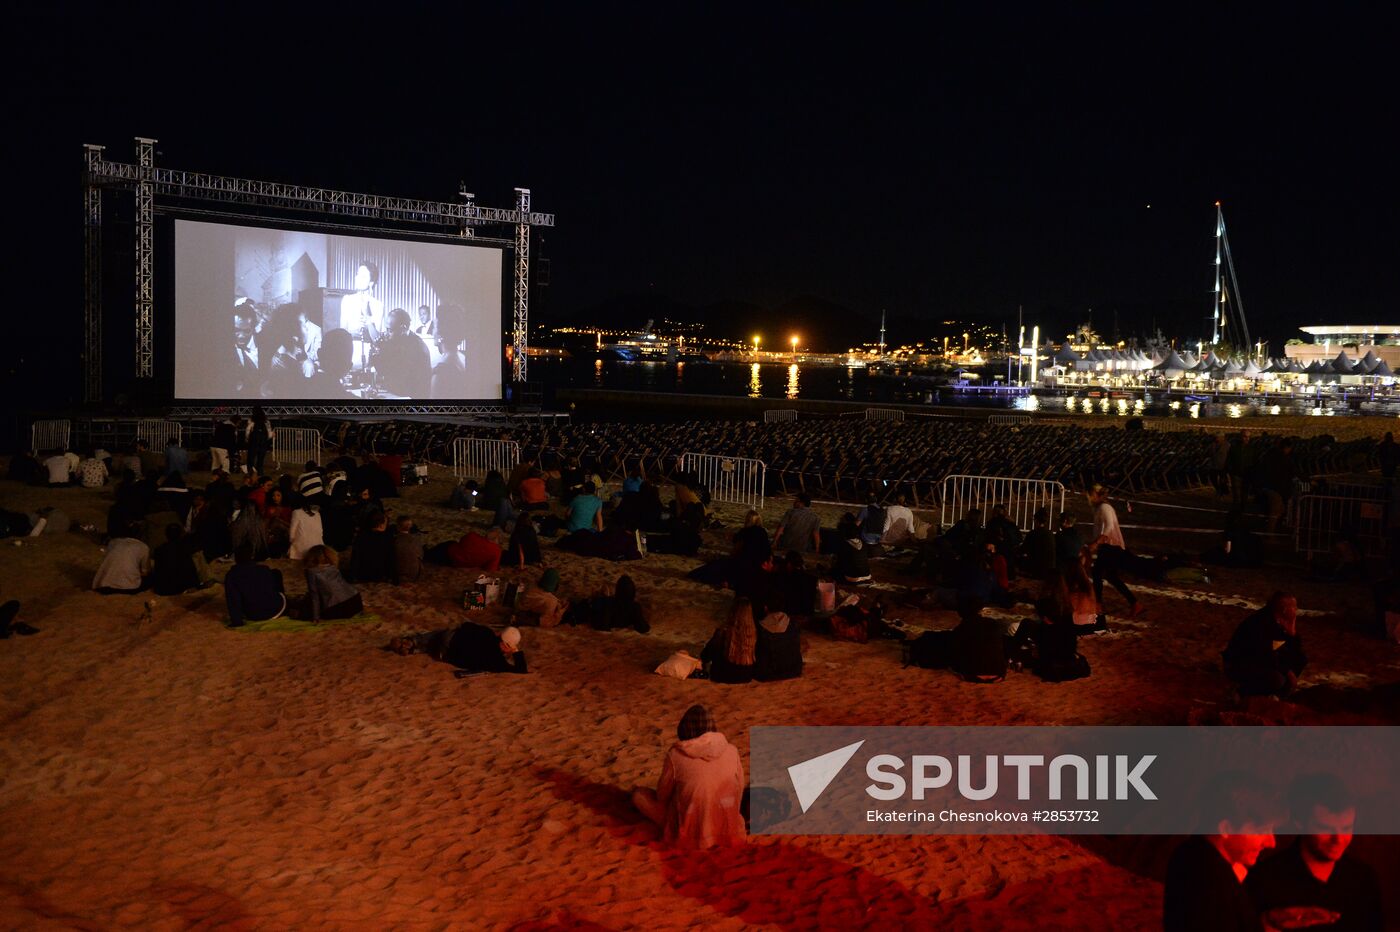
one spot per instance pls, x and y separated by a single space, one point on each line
404 364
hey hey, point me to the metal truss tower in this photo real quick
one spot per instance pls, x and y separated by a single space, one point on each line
521 316
221 195
92 278
145 262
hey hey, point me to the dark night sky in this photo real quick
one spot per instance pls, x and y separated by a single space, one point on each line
935 165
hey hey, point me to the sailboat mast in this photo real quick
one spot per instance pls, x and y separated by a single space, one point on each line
1219 297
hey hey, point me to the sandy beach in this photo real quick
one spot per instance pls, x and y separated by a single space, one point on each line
172 773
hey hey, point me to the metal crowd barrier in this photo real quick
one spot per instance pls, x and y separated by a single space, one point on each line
1321 521
1022 498
294 447
1355 487
158 433
779 415
734 479
884 414
474 457
1009 420
50 435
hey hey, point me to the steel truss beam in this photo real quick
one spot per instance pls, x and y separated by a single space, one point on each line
201 186
145 264
92 280
521 315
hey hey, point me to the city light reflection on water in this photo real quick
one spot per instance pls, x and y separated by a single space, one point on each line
755 383
792 381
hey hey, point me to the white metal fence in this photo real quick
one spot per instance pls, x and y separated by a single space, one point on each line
474 457
734 479
50 435
884 414
1021 497
158 433
294 447
1320 522
779 415
1009 420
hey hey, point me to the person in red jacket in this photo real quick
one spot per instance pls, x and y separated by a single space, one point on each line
473 550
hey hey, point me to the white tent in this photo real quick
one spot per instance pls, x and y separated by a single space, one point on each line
1172 367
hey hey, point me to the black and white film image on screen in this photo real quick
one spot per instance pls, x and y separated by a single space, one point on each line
291 315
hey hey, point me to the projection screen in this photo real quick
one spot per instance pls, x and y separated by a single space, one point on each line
292 315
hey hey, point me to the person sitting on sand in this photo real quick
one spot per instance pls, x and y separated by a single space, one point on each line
247 528
1069 543
472 551
1036 556
539 605
1265 654
1054 634
408 550
305 530
743 568
799 529
696 801
125 567
778 652
585 510
470 646
731 651
328 595
372 556
175 571
252 591
979 646
852 562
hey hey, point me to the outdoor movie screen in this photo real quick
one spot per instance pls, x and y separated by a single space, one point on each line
291 315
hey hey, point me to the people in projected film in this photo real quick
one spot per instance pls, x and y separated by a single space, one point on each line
283 351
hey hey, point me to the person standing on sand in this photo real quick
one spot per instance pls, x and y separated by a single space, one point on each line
1110 554
696 801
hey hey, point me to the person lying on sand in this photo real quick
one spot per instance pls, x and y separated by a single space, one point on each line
540 605
470 646
696 801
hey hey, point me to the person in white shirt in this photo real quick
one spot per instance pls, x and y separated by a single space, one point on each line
361 313
58 467
305 531
899 523
1110 554
125 567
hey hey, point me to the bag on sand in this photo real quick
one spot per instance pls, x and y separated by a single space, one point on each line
679 665
826 598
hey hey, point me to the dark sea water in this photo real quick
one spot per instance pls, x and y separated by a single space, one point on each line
757 380
839 383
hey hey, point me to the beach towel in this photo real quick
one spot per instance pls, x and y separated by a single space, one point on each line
293 625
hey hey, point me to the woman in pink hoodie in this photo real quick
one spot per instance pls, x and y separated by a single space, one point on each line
696 802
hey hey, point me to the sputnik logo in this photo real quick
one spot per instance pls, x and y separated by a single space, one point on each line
811 777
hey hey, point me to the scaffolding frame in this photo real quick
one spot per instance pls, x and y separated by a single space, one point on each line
343 209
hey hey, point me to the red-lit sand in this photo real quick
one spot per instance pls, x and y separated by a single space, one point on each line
176 773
